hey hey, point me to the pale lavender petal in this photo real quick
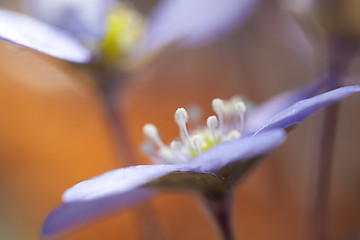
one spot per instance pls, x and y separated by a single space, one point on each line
241 149
262 113
26 31
193 21
70 216
84 19
302 109
117 181
114 190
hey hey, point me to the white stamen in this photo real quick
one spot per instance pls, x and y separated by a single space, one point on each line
198 143
177 148
166 154
240 108
152 133
226 125
181 117
195 114
218 107
148 148
212 123
234 134
176 145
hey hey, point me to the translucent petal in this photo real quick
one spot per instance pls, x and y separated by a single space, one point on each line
26 31
262 113
113 190
193 21
302 109
241 149
78 17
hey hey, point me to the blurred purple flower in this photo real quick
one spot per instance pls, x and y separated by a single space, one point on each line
63 24
213 172
83 19
193 22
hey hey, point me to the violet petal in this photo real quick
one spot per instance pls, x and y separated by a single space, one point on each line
193 22
69 216
113 190
240 149
302 109
117 181
262 113
26 31
78 17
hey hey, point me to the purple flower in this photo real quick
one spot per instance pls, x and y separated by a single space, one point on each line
208 161
83 19
193 22
63 24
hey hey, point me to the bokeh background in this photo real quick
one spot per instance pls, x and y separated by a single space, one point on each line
54 133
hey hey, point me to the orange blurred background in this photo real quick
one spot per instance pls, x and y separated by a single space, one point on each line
54 133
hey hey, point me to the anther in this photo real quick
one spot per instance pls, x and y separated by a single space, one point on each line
218 107
240 109
152 133
148 148
176 145
234 134
181 117
194 114
212 123
198 143
166 155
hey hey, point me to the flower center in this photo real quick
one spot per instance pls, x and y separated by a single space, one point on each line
125 27
228 124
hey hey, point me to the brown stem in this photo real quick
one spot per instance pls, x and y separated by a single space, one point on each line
112 86
115 113
319 218
220 208
341 52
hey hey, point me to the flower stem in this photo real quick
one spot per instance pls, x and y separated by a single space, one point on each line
220 209
114 107
319 218
341 52
112 87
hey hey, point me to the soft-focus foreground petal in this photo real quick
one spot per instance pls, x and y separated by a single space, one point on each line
262 113
78 17
23 30
117 181
122 188
93 198
242 149
193 22
300 110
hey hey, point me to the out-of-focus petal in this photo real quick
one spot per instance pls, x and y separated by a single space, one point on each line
23 30
193 22
262 113
84 19
300 110
116 181
113 190
69 216
241 149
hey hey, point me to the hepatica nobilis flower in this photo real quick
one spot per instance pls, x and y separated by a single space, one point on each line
188 23
208 160
74 30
